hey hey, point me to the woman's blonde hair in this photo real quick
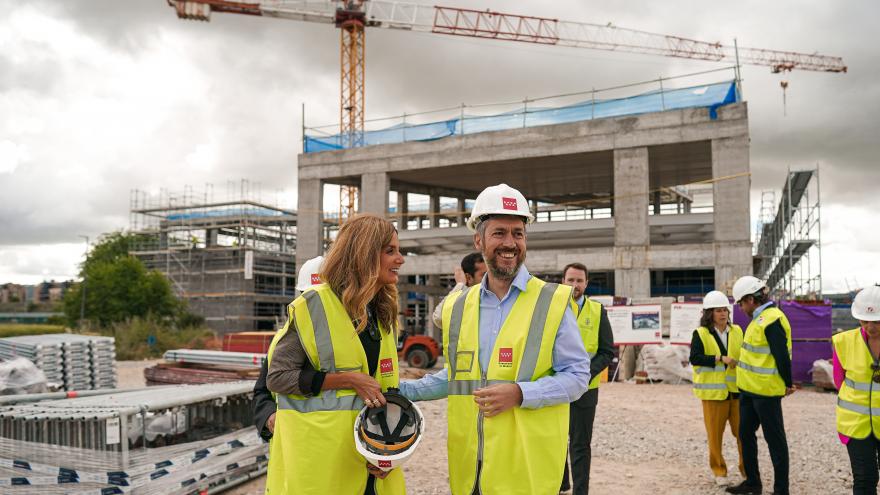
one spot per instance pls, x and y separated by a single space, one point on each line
351 269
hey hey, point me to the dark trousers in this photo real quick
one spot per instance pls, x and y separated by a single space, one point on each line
765 412
864 457
580 434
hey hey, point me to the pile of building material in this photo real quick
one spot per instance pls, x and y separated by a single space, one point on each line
256 342
186 439
74 362
202 366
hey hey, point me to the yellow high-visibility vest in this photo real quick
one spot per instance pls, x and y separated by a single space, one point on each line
313 449
717 382
756 371
521 451
858 400
588 320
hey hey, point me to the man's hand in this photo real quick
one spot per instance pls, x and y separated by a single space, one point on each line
460 277
496 399
729 361
789 391
270 423
378 473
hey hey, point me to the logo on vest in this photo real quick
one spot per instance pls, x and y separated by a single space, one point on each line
384 464
316 279
505 357
508 203
386 367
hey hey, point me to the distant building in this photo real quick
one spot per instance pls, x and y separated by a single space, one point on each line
13 293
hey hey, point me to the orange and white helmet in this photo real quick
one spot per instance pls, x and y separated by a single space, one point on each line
387 436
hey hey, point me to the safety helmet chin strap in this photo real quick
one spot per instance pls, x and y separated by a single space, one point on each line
390 441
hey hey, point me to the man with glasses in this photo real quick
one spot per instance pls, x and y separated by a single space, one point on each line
763 376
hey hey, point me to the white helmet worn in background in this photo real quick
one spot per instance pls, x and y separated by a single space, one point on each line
387 436
866 304
499 200
309 274
746 286
715 299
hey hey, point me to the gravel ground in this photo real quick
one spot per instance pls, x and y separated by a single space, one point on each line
651 439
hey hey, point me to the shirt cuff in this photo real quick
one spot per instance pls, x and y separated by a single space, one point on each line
531 395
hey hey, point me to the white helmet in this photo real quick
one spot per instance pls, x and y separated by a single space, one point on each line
387 436
309 274
715 299
866 304
747 285
499 200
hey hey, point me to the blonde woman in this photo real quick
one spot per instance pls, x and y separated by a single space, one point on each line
337 352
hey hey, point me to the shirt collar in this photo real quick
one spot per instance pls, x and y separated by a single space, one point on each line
580 301
520 280
761 308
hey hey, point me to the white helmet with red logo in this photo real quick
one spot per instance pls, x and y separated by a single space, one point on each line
499 200
387 436
866 304
309 274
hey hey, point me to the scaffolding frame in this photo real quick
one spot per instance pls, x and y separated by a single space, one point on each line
231 259
789 245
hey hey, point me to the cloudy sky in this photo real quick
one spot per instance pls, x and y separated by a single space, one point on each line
99 97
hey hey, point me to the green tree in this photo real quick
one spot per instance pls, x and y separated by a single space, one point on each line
119 287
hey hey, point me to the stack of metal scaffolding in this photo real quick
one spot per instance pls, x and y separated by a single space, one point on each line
176 439
219 358
76 362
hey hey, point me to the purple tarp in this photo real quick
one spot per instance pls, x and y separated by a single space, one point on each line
807 321
803 354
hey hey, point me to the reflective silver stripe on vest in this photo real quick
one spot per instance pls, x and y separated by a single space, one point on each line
731 379
536 333
757 349
467 387
711 386
455 330
706 369
758 369
327 402
322 331
856 408
862 386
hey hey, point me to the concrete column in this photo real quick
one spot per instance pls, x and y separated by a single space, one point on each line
462 217
732 222
402 209
434 210
210 237
430 329
374 193
631 234
309 234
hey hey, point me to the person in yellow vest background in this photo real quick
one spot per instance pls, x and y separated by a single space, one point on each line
514 362
598 341
715 348
346 330
763 377
857 376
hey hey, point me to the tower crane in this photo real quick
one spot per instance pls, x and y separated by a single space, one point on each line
353 16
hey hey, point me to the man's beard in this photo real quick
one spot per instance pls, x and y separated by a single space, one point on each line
503 273
575 295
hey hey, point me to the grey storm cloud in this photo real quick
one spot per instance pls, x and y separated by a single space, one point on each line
232 90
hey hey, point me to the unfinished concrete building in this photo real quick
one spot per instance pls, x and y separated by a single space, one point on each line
654 203
232 261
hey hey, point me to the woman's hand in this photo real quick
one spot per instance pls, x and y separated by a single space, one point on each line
367 388
729 361
378 473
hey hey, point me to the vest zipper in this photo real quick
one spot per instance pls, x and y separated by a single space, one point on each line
483 383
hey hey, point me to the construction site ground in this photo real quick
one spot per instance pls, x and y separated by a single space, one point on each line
647 439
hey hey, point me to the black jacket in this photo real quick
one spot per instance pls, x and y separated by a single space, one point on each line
264 404
700 358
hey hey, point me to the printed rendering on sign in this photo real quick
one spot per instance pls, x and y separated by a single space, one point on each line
646 321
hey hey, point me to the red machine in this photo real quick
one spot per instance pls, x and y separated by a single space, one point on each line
419 351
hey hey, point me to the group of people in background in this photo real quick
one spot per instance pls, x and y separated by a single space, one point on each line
521 376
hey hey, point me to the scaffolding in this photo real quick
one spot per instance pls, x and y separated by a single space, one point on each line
789 245
231 259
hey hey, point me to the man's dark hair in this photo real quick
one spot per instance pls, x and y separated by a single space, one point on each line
469 263
576 266
761 297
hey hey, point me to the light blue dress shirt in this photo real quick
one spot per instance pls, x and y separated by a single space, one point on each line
570 361
760 309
